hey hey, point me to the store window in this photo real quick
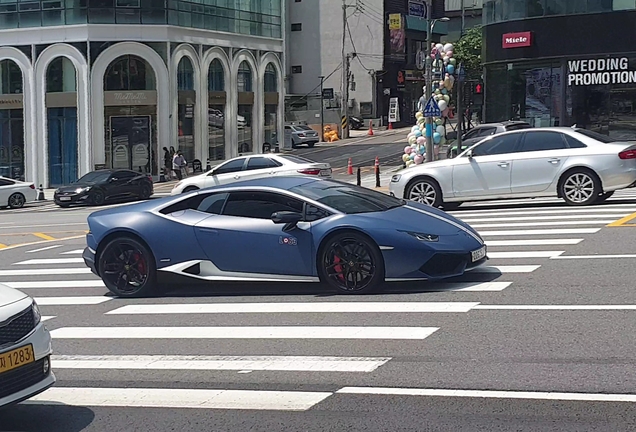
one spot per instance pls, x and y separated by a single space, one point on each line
61 76
271 104
129 72
10 78
216 111
245 109
186 108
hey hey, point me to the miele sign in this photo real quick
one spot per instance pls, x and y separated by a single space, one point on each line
516 40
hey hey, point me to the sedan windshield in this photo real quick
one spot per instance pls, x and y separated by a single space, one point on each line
94 177
347 198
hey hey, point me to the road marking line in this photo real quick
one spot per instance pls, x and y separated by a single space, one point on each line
545 242
590 397
593 256
538 224
505 269
46 318
40 272
43 241
72 301
484 286
96 283
556 307
180 398
250 332
623 221
536 218
252 363
73 252
43 226
51 261
540 232
525 254
2 246
44 249
43 236
513 212
320 307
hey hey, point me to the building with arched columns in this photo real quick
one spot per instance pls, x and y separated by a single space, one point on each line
86 86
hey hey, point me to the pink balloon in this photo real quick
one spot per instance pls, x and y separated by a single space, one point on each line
408 149
445 112
421 140
418 159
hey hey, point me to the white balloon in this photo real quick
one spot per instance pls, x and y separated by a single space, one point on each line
442 105
439 47
448 47
440 130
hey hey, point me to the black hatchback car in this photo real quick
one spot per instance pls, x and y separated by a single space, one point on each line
482 131
101 186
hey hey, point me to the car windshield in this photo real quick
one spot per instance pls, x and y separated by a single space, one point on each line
595 135
347 198
296 159
94 177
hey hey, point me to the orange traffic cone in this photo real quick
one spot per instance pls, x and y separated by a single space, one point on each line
349 168
390 126
370 133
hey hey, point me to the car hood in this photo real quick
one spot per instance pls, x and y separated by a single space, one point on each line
74 186
10 295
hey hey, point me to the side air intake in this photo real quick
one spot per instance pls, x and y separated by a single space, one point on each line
193 269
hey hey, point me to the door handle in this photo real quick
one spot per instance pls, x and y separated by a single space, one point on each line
503 164
237 177
554 160
209 230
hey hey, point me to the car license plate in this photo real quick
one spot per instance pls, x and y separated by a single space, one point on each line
65 198
16 358
478 254
325 173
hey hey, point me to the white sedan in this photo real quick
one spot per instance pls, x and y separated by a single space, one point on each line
251 168
15 194
580 166
25 348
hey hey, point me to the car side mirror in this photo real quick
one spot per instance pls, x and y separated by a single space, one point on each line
290 219
469 154
112 179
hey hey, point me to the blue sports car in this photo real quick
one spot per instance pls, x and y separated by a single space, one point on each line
274 230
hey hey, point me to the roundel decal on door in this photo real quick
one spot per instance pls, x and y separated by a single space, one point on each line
287 241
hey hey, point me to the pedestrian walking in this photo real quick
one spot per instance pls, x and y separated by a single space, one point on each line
178 164
167 164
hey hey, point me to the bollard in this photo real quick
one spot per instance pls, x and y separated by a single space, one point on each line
349 167
41 194
359 178
370 133
377 171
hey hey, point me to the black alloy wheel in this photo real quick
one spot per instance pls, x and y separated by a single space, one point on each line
128 268
98 197
16 200
351 263
145 193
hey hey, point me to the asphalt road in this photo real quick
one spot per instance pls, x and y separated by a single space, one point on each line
539 340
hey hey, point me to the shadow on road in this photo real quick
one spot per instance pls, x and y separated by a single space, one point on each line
41 418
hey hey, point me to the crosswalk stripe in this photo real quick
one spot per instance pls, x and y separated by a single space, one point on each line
482 286
43 261
495 218
505 269
525 254
521 211
555 231
44 249
538 224
73 252
527 242
251 363
594 256
316 307
72 301
47 318
46 272
180 398
250 332
56 284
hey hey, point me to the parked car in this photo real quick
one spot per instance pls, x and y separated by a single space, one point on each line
302 134
578 165
101 186
480 132
25 348
280 229
15 193
356 123
253 167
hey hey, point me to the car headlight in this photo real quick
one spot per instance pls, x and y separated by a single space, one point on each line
82 189
396 178
37 316
423 236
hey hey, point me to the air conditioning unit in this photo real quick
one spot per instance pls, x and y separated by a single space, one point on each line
352 103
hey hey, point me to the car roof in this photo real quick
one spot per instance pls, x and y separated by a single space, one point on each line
280 182
504 124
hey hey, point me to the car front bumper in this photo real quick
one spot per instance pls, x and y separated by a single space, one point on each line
89 259
67 199
26 381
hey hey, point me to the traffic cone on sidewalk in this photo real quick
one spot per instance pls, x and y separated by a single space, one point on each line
370 133
350 167
390 126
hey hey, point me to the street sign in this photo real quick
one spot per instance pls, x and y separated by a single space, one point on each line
432 109
417 9
420 60
394 110
327 93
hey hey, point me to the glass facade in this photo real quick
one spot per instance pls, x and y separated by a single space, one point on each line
60 77
12 143
245 108
216 111
252 17
187 101
271 104
10 78
507 10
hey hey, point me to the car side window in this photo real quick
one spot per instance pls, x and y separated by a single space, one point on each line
573 142
496 146
231 166
484 132
212 203
472 134
542 140
125 175
4 182
260 205
255 163
313 213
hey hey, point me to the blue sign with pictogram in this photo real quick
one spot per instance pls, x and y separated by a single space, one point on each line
432 109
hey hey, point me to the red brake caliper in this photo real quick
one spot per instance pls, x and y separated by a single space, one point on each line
337 267
141 264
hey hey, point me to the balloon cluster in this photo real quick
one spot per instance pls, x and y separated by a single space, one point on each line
444 64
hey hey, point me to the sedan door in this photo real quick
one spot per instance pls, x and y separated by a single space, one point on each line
229 172
120 185
6 189
539 161
243 239
486 170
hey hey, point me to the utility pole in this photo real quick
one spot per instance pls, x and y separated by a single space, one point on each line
345 74
322 109
463 18
429 80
